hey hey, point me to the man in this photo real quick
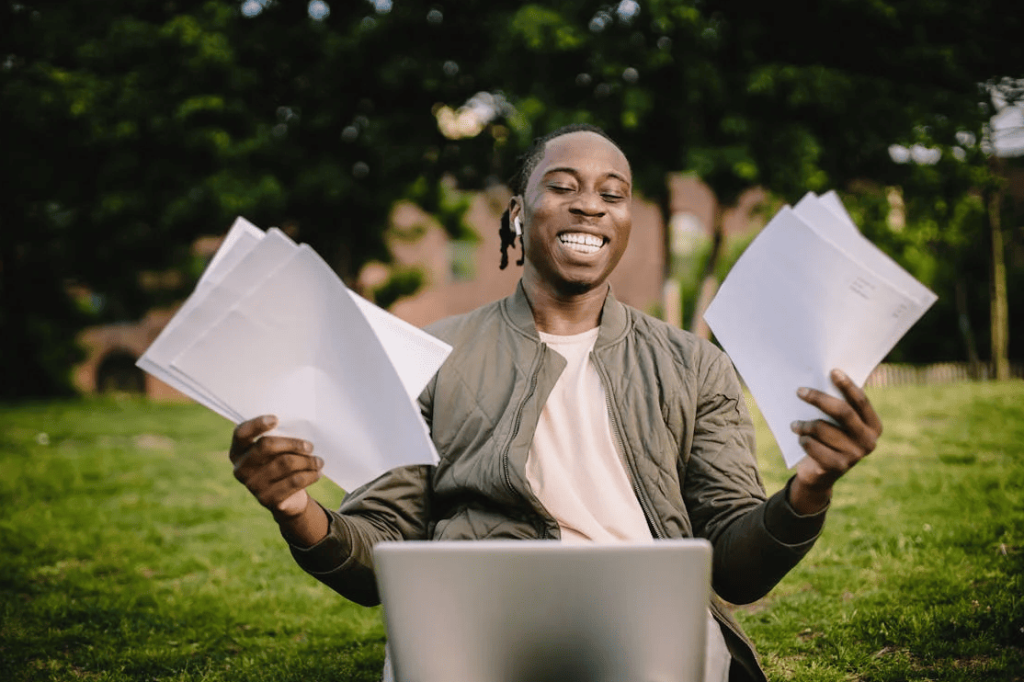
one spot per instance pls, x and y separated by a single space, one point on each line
562 413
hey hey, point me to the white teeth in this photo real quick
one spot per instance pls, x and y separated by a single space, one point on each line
584 243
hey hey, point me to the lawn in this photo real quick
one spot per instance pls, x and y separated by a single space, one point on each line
129 552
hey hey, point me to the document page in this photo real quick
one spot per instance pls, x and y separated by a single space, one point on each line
803 299
273 330
240 239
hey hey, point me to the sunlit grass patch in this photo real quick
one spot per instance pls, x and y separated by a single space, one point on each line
128 552
919 572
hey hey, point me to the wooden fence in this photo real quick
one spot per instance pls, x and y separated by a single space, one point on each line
940 373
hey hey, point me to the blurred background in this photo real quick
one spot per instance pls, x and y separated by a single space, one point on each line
382 132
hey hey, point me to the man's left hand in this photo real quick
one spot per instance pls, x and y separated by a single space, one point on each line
832 449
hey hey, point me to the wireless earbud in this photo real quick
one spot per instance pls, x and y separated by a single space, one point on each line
519 226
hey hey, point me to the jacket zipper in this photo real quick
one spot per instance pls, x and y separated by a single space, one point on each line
532 387
641 495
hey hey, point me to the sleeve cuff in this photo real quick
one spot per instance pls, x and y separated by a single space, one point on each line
330 553
789 527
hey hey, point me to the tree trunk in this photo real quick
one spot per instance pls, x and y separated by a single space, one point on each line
671 301
999 304
964 322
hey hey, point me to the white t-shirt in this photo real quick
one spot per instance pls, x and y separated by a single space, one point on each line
577 472
574 466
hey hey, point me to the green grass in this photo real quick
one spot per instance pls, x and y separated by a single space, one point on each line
129 552
919 574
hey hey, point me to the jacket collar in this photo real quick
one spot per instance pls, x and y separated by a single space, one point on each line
614 317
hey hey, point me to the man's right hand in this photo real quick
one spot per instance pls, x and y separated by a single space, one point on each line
276 469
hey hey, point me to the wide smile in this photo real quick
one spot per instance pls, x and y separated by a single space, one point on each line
582 242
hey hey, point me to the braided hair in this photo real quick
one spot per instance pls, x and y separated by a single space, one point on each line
527 164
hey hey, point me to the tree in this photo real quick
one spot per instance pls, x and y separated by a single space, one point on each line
952 201
133 127
107 149
742 93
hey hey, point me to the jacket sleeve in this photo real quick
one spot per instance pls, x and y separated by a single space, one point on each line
395 506
756 540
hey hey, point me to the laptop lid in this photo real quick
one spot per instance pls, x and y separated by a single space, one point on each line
540 611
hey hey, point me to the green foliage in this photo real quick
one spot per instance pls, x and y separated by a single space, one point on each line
942 237
447 204
742 93
132 128
401 282
128 551
545 29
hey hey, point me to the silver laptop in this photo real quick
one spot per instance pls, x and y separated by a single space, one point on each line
544 611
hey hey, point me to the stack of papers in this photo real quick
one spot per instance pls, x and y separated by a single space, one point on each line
811 294
271 329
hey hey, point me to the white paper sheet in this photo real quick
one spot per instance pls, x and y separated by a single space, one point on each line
415 354
821 214
239 241
301 349
832 202
806 298
272 330
211 304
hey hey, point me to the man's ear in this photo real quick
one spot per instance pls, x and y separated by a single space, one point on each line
515 208
515 215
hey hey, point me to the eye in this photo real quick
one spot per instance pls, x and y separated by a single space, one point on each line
560 188
612 196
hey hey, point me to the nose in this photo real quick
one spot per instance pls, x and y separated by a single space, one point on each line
588 203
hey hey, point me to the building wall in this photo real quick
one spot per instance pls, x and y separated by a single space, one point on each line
131 339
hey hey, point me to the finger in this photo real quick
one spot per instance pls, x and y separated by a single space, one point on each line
267 449
857 399
289 465
836 408
246 433
829 435
833 463
280 468
274 495
845 416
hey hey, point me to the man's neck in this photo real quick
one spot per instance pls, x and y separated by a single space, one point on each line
565 314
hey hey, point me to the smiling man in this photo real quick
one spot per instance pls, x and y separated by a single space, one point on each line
576 203
564 414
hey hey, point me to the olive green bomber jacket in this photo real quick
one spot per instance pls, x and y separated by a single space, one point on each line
678 417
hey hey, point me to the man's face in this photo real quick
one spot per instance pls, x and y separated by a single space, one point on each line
575 212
